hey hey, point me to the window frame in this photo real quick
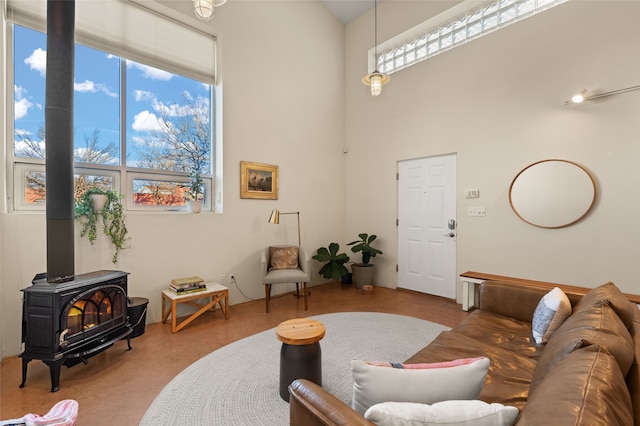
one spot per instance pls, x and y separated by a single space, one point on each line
122 174
393 53
142 174
20 168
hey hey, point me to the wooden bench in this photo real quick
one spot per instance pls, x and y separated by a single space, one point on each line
471 278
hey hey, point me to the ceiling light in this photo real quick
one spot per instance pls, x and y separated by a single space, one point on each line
204 8
376 79
578 97
582 96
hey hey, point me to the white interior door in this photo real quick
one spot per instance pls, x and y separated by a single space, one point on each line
427 225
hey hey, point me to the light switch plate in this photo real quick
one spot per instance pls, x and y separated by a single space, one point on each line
471 193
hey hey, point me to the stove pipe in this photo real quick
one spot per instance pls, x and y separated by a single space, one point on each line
59 139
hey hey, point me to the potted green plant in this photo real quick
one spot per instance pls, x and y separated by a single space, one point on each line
87 212
334 268
363 272
195 191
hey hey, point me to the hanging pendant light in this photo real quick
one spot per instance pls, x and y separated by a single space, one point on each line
203 9
376 79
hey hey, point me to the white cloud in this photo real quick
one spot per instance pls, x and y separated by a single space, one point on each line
152 73
21 108
172 110
138 140
19 91
23 133
21 103
182 110
87 86
21 146
90 87
146 121
104 89
38 61
143 95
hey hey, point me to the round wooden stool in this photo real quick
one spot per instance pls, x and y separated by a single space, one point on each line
300 356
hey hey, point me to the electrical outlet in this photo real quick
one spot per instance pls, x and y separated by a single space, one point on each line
221 279
477 211
232 277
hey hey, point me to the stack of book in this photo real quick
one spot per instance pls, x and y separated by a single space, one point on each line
187 285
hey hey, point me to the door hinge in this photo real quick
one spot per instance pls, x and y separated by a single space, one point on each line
398 176
397 222
397 268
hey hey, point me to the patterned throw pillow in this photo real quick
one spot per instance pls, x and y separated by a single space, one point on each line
553 309
283 257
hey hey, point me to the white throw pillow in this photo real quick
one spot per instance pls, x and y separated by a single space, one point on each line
553 309
422 383
450 413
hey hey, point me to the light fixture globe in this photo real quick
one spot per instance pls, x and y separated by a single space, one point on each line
578 97
203 9
376 80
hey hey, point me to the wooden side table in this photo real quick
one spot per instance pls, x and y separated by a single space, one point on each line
217 293
300 355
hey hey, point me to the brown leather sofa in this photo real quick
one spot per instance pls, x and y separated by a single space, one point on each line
587 374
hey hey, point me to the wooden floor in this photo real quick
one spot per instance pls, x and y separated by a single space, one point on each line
117 386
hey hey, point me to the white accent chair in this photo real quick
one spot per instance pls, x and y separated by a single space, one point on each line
286 276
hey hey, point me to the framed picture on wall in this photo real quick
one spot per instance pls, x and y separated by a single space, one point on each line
258 180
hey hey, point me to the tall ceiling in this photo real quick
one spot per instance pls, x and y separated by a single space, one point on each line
345 10
348 10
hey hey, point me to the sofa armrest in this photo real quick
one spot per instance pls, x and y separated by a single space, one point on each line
310 405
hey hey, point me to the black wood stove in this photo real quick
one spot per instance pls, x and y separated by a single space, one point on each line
67 318
67 323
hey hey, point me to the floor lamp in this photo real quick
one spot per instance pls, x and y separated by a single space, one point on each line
275 219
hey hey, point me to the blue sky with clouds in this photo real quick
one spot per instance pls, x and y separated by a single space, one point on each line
97 93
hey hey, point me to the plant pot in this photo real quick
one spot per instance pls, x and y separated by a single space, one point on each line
362 274
347 279
99 200
195 206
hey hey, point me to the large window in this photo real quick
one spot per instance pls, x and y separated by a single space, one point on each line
138 129
463 23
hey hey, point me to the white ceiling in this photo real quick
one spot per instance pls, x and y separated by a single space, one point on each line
345 10
348 10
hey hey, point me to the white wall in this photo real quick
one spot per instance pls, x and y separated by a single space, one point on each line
292 96
498 102
282 65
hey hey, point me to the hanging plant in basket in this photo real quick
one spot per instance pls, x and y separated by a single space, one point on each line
112 214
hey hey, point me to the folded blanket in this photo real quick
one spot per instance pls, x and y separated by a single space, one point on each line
64 413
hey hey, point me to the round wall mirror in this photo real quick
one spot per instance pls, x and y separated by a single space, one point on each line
552 193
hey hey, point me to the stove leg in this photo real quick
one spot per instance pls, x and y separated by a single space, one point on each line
129 343
54 370
25 361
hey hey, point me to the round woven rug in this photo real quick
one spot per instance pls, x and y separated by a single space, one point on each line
238 383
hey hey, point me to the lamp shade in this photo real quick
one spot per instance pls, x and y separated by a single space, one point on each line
274 217
203 9
376 80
